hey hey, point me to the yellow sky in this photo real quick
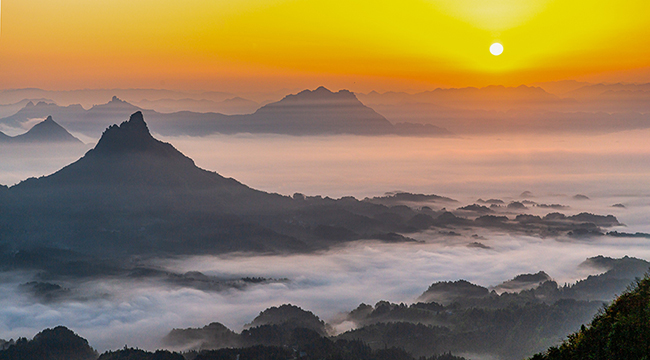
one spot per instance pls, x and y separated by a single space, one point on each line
356 44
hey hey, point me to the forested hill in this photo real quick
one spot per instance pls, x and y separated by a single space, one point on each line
621 331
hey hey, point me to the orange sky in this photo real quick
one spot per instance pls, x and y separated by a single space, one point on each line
244 45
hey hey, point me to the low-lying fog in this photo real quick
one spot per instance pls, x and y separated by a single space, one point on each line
613 164
111 313
609 169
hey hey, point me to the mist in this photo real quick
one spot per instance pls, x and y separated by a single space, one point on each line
111 312
464 167
19 162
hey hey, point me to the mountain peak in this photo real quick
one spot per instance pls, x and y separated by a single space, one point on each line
323 89
133 137
130 136
321 95
47 130
320 111
136 124
115 99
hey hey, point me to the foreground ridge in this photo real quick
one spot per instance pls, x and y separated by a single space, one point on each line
620 331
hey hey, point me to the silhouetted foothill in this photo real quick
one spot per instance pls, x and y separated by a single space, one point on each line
59 343
516 205
212 336
291 316
447 291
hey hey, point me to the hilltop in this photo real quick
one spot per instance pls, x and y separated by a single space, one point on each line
46 131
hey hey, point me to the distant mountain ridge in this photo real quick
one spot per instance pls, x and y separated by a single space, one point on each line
309 112
230 106
320 111
46 131
493 97
578 107
552 107
74 117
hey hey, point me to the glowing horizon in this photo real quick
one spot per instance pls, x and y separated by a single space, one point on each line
361 45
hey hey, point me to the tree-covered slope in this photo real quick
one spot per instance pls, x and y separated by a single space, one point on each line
621 331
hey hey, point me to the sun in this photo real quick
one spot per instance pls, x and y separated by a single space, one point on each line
496 49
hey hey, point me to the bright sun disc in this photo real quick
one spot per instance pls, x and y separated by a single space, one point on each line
496 49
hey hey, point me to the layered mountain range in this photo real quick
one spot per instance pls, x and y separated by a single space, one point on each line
564 106
317 112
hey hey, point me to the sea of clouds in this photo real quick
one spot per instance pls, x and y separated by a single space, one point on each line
113 312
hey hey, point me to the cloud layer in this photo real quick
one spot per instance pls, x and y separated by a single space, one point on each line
113 312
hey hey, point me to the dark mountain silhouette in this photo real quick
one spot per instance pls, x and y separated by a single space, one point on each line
447 291
291 316
131 182
317 112
128 155
59 343
273 326
212 336
132 194
47 131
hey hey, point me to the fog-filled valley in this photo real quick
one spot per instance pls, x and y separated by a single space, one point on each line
132 240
